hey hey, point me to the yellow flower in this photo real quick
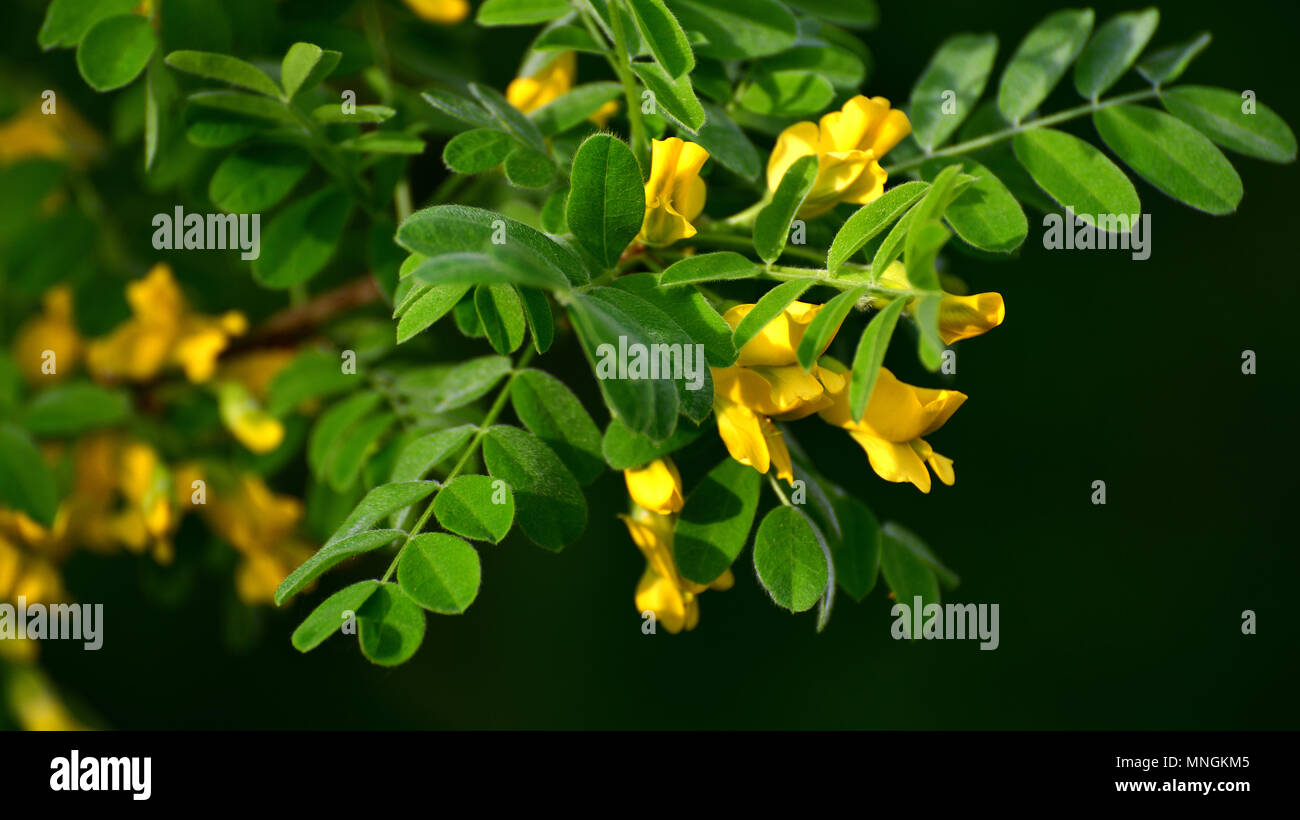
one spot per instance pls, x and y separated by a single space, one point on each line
35 703
673 599
544 85
656 486
442 12
58 135
54 331
960 317
891 430
849 145
765 383
675 194
252 426
256 369
162 332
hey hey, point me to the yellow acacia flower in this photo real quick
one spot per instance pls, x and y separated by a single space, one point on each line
960 317
54 331
675 194
162 332
891 430
442 12
656 486
553 80
252 426
765 383
59 135
849 145
673 599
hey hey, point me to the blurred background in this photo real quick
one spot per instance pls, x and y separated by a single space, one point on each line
1122 616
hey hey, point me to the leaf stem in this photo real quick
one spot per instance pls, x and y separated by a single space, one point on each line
998 136
620 61
493 412
739 242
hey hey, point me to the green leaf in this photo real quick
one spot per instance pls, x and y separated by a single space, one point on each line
954 79
661 32
606 198
566 38
726 143
428 308
329 617
390 626
1041 60
115 50
789 560
793 93
817 337
1217 113
466 382
772 227
1075 174
225 68
986 215
26 484
737 29
674 97
550 410
312 375
1112 49
624 449
715 520
302 238
1168 64
460 108
238 102
852 13
255 179
692 313
67 21
160 97
333 423
768 308
870 220
418 458
331 554
840 67
304 66
870 356
501 315
509 118
912 543
573 107
440 572
76 408
384 142
537 312
550 508
709 267
333 112
520 12
1171 155
468 506
500 265
857 552
908 577
647 406
526 168
353 449
450 228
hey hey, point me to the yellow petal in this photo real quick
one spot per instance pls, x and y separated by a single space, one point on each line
776 343
962 317
553 80
442 12
724 582
742 433
656 486
674 194
795 142
674 609
780 455
893 461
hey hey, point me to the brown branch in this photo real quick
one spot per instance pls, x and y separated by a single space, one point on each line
292 324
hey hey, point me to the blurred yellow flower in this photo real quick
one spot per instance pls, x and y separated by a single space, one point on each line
54 331
675 194
252 426
656 486
960 317
673 599
849 145
553 80
60 135
256 369
162 332
35 704
442 12
891 430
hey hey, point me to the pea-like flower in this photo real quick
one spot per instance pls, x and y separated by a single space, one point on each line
656 486
554 79
960 317
662 590
674 196
442 12
891 430
53 330
849 145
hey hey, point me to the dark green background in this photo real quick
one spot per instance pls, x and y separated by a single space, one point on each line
1126 615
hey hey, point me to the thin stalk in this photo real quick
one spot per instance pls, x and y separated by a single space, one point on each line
621 60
